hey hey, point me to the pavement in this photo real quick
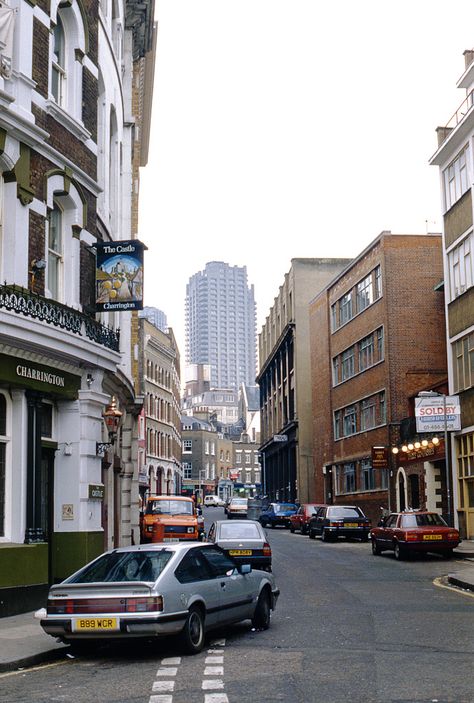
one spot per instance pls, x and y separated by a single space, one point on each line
23 643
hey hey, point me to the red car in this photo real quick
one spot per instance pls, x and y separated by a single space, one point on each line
301 519
414 531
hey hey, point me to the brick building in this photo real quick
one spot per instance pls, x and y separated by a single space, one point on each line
67 491
376 336
285 381
455 161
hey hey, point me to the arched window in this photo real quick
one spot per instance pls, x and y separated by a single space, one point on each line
68 45
58 79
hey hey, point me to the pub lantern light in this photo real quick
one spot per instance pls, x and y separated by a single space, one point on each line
112 417
435 440
424 442
394 450
404 448
417 445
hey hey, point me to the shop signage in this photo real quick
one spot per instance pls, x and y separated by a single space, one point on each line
380 457
430 413
96 491
280 438
119 275
38 377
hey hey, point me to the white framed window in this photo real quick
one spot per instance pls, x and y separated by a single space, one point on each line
463 357
248 458
65 220
367 413
456 178
187 445
206 447
364 293
368 475
55 273
366 352
345 306
461 266
187 469
58 64
238 457
347 365
350 420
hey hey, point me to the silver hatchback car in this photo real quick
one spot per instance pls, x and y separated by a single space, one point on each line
157 590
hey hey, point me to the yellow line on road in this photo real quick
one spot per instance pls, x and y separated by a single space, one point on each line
26 670
439 582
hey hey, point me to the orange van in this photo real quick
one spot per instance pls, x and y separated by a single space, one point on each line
177 515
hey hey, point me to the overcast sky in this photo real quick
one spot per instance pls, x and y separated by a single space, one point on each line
292 128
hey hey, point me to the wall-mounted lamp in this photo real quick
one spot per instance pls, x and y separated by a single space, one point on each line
89 379
38 265
112 417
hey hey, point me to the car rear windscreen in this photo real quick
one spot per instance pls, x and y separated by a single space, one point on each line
239 532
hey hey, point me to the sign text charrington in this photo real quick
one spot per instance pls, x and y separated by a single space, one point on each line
37 375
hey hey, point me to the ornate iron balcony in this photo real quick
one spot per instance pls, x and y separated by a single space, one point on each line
24 302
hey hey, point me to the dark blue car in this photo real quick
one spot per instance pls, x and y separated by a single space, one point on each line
277 514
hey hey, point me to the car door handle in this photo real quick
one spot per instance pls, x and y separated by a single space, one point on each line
223 585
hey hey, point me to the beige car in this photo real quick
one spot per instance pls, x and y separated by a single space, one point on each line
237 508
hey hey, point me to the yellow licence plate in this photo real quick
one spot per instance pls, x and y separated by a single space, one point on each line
240 552
432 536
351 524
95 624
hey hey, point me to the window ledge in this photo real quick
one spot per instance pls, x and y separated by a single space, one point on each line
60 115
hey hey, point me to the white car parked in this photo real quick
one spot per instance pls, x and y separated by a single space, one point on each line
213 501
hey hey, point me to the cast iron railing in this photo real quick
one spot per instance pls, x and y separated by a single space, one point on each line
24 302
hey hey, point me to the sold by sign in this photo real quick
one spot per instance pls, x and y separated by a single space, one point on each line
438 413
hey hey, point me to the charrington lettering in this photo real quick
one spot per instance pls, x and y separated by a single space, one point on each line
43 376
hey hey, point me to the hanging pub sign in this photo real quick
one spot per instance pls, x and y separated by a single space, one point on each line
380 457
119 275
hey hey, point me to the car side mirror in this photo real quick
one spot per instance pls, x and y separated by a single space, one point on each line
245 568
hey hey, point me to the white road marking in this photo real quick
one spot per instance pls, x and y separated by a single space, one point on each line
214 671
163 685
171 661
212 683
161 699
214 660
216 698
168 671
215 651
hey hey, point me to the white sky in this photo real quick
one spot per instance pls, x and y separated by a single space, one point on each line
292 128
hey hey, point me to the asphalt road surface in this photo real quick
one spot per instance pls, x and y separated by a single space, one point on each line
349 627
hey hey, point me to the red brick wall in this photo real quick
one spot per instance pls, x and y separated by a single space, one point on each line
412 314
40 61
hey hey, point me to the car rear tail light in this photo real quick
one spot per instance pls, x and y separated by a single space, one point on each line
144 605
411 536
336 523
453 535
267 551
90 606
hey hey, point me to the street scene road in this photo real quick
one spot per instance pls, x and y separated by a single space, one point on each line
349 626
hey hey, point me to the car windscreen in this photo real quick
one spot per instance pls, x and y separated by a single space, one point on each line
169 507
284 507
123 566
344 512
249 531
428 520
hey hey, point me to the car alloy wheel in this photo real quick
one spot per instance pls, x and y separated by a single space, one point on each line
192 636
261 616
327 537
397 550
375 548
